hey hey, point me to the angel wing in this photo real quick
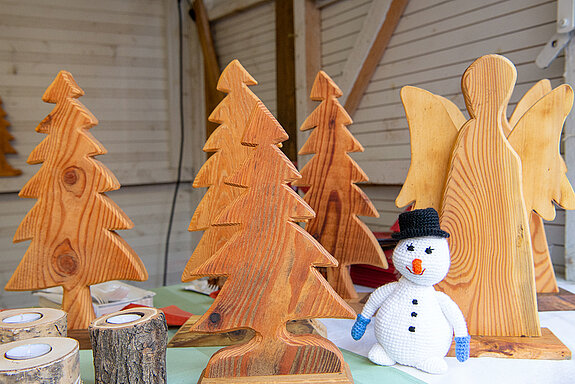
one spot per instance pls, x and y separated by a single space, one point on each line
536 138
433 132
536 92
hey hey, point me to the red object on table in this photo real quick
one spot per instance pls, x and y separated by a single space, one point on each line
174 315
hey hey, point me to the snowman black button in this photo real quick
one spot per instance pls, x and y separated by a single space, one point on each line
414 302
411 329
413 314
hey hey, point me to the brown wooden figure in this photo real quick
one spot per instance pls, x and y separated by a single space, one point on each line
72 225
332 176
232 114
269 263
6 169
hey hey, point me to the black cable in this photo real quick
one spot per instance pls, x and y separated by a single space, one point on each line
179 175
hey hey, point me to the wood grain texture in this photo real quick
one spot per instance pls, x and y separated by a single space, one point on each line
333 194
6 170
53 323
546 347
130 353
343 377
433 131
185 338
271 277
545 280
72 226
491 276
232 114
61 365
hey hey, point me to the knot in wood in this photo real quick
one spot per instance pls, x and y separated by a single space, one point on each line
65 260
215 318
70 176
74 180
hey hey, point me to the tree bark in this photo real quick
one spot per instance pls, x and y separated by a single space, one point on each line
133 352
59 366
51 324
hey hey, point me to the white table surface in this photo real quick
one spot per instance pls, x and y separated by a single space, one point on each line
483 369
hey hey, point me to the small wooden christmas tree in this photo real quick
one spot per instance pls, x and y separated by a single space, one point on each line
5 147
72 225
269 263
332 176
232 114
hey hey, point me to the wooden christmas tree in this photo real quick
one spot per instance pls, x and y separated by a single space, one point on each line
331 175
232 114
269 263
72 225
5 147
486 178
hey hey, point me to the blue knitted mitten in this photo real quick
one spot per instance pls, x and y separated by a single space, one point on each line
359 327
462 348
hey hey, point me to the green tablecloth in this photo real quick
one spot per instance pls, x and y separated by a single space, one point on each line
186 364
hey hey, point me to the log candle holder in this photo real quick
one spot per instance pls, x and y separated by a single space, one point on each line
129 346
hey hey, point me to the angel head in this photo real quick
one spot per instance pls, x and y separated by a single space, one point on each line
422 253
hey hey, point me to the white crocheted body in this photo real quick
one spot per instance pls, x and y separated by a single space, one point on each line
413 331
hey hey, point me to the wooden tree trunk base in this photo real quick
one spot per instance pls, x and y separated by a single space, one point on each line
343 377
185 338
61 365
545 347
82 336
52 323
130 351
561 301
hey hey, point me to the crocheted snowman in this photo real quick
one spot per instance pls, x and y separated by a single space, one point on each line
415 323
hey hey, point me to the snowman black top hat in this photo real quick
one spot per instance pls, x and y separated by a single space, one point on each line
419 223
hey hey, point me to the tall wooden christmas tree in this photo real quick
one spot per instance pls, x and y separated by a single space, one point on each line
332 176
269 263
5 137
232 114
72 225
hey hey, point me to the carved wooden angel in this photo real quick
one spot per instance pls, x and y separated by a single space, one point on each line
486 178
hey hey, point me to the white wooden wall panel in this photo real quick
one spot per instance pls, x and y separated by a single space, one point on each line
249 36
117 54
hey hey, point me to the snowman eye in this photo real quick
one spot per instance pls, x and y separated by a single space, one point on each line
428 250
410 247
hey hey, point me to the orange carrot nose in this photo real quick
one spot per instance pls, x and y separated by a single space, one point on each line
416 265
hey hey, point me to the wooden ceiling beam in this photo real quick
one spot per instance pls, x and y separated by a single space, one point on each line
378 28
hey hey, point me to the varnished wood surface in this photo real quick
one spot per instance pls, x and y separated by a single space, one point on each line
333 194
556 301
271 277
72 225
545 280
185 338
323 378
232 114
6 169
546 347
491 276
431 147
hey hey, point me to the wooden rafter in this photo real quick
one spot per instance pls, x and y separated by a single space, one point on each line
382 20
